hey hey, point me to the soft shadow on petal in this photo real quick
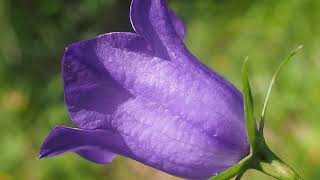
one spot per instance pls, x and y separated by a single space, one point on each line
96 155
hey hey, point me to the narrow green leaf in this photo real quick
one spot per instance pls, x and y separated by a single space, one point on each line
233 171
249 110
283 63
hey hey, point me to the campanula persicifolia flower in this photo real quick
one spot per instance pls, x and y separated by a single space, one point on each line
143 95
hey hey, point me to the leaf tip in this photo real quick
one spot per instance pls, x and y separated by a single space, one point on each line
297 50
245 64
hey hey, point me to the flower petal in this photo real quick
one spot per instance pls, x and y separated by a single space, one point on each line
157 23
100 75
156 105
200 99
96 155
178 24
163 140
94 145
154 21
91 94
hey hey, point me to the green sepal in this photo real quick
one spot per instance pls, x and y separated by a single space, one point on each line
265 104
248 107
234 170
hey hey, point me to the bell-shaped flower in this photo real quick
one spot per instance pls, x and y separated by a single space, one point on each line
144 96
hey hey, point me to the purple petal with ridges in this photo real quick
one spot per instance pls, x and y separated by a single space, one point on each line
165 141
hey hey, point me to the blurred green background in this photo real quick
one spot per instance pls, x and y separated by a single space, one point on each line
33 34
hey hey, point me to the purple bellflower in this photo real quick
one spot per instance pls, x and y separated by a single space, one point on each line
144 96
